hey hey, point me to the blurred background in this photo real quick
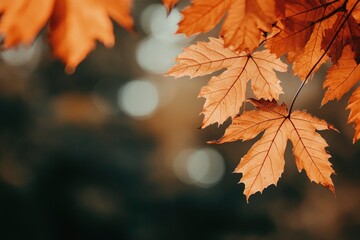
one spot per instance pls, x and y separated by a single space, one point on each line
113 151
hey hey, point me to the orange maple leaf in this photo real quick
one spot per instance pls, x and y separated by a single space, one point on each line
295 28
346 31
302 33
341 77
225 93
243 25
310 28
74 25
264 163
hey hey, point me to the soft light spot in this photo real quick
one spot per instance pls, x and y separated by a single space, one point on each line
156 22
155 56
180 166
22 55
138 98
202 167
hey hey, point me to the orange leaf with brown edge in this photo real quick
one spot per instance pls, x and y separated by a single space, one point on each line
341 77
345 31
264 163
303 33
296 28
225 93
354 116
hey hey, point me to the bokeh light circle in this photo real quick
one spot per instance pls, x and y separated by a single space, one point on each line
138 98
203 167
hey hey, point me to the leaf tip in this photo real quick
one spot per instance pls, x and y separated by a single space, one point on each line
214 142
70 69
323 102
331 188
169 74
331 127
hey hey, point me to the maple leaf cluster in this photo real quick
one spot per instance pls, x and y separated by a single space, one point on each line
73 26
309 33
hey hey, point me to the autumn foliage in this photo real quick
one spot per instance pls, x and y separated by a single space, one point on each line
253 35
309 33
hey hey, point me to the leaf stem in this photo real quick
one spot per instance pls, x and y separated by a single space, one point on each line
322 56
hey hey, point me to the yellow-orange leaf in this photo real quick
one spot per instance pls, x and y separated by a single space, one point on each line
313 52
202 16
74 27
354 117
225 93
244 19
309 147
244 23
341 77
264 163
